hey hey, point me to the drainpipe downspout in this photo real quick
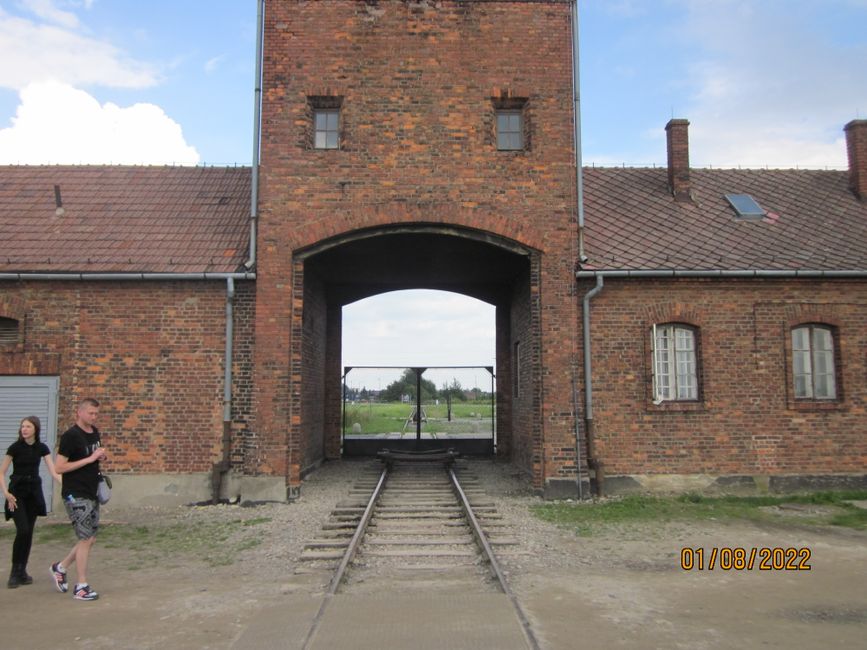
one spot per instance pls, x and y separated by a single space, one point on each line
592 461
221 468
257 130
576 92
579 199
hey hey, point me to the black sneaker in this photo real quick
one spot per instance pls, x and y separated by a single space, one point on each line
26 578
84 593
59 578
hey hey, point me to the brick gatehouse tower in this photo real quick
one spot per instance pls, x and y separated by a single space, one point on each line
416 144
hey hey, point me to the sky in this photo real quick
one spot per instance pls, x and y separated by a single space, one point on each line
764 83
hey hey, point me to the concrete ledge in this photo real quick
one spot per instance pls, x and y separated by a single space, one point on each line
813 482
179 489
730 484
255 488
565 488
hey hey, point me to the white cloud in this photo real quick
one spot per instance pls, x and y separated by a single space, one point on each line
58 50
419 327
50 11
58 124
769 87
212 64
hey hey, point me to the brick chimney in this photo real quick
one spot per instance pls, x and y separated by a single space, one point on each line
856 146
678 158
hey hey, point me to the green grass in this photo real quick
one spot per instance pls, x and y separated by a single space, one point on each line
216 543
589 518
390 417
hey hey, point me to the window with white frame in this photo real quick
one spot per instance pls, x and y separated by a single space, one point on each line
813 362
675 374
510 130
326 123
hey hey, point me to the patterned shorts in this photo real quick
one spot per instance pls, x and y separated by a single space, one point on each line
84 515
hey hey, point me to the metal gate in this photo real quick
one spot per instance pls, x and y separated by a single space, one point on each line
419 408
23 396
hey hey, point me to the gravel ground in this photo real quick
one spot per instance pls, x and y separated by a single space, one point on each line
622 587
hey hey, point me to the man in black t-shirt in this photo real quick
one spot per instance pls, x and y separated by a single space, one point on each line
78 462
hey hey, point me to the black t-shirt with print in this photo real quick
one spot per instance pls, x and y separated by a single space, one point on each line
76 444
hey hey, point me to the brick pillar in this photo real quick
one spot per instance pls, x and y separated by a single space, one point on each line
504 382
856 147
677 137
333 382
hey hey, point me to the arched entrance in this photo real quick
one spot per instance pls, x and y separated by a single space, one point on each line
344 269
419 373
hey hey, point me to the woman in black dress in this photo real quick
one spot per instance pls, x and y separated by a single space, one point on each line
24 499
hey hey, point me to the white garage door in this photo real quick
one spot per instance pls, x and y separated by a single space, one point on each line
23 396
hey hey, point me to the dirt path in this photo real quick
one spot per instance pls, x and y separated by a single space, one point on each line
623 588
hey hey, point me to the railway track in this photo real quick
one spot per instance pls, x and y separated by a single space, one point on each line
418 523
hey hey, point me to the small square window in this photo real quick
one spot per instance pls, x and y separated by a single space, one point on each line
510 130
746 206
326 125
8 331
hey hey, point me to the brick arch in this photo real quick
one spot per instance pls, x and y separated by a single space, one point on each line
506 228
12 307
475 234
675 312
818 314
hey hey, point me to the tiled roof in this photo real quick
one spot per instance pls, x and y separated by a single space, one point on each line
124 219
196 220
632 221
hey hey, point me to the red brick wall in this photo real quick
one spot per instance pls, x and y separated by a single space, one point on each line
243 443
524 387
313 351
417 83
151 353
333 381
504 381
747 421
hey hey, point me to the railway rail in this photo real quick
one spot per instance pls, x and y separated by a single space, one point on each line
420 524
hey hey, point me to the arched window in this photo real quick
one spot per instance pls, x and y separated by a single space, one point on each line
675 367
8 331
813 367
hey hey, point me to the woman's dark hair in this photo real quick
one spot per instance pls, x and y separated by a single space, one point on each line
32 419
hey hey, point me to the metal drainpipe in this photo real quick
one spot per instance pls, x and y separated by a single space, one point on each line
579 198
576 91
592 461
257 129
221 468
577 434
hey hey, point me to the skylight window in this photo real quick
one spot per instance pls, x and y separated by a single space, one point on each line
746 206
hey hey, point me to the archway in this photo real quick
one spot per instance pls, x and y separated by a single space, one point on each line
419 373
342 270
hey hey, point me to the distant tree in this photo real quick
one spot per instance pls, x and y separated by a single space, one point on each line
454 390
406 386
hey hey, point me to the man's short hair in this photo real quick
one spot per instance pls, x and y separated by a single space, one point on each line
87 401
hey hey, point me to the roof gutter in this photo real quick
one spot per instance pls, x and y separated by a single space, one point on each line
127 276
576 92
719 273
257 129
